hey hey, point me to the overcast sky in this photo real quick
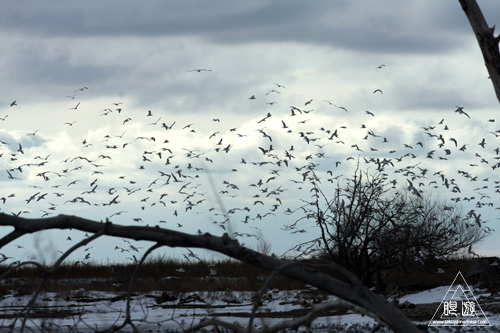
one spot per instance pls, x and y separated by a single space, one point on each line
66 63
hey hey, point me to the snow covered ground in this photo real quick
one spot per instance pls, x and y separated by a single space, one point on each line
172 311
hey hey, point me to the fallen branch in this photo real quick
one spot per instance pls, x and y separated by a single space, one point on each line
351 291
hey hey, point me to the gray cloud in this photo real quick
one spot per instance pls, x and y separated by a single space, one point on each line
389 26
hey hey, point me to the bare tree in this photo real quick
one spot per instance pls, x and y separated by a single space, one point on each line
368 226
351 292
488 43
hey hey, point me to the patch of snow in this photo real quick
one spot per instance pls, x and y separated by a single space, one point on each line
101 310
436 295
426 296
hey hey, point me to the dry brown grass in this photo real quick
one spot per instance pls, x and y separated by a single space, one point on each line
155 274
166 275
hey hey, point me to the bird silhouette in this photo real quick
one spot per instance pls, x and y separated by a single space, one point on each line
199 70
75 107
460 110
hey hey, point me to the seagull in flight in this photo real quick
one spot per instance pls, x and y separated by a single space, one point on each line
13 103
199 70
74 108
460 110
412 188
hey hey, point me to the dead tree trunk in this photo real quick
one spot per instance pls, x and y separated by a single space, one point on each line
488 43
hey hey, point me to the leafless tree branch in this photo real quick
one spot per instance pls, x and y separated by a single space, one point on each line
128 318
46 273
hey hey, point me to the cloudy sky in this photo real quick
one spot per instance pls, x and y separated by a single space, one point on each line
93 82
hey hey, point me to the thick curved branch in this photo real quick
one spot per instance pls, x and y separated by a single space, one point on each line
10 237
352 291
488 43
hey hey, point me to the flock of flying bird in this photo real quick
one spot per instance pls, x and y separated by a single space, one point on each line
234 179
